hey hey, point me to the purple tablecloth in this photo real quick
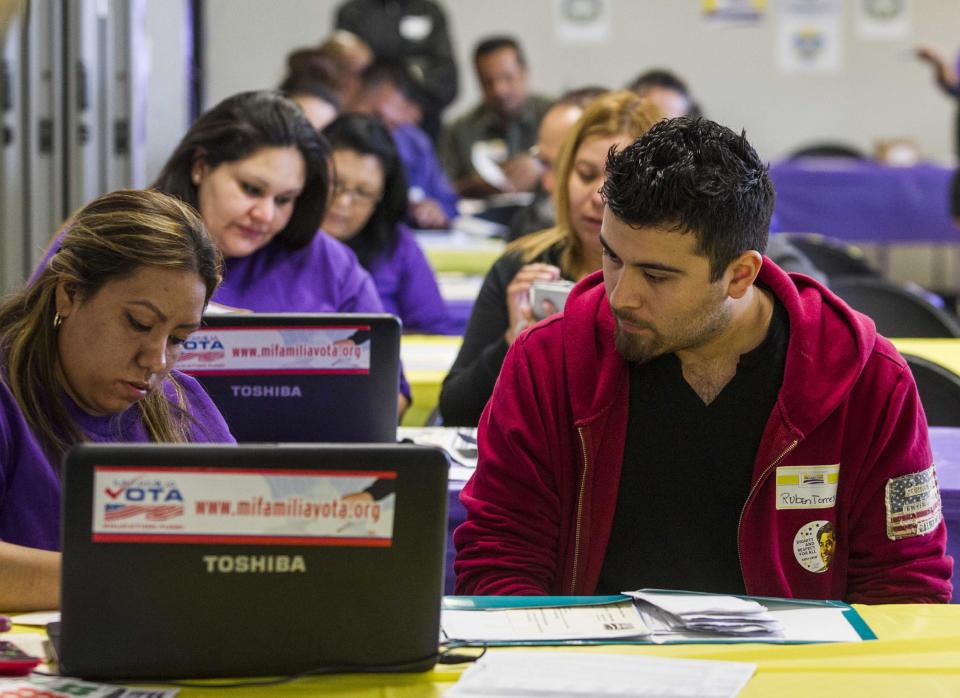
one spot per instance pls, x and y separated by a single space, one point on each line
946 454
864 202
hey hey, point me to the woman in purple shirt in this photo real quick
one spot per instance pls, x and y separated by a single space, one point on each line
86 352
258 173
368 201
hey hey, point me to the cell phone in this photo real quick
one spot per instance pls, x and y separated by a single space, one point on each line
555 292
14 661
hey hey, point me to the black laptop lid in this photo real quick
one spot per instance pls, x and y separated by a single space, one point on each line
300 377
205 560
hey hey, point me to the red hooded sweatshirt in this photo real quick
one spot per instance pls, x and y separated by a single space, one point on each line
847 423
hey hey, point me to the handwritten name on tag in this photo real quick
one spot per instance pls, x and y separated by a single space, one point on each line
807 486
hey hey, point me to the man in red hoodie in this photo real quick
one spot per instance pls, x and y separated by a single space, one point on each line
699 419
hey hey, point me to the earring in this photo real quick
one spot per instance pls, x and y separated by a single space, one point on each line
196 179
57 321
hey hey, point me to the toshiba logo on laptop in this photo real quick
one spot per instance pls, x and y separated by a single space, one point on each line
256 564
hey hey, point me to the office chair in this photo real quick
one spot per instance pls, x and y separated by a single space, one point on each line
832 257
827 149
939 390
897 311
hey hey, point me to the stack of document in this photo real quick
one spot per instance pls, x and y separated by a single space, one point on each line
666 613
690 617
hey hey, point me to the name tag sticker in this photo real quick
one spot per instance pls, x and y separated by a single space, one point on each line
243 506
913 504
225 351
807 486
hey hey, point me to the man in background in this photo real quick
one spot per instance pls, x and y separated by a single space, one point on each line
497 133
562 115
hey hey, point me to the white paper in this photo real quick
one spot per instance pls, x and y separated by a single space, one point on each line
459 443
608 621
547 674
682 604
37 618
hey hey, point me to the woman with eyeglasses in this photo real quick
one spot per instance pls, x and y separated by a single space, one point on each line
367 203
570 250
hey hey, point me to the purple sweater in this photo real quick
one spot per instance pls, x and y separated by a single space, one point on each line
423 170
322 277
30 483
408 289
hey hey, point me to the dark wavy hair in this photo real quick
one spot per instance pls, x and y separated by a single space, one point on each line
694 176
368 135
238 127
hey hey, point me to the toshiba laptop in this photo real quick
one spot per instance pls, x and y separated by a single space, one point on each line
211 561
300 377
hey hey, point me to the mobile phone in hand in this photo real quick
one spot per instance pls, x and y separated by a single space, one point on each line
548 297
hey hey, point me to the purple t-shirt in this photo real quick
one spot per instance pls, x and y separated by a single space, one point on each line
321 277
30 483
423 170
408 289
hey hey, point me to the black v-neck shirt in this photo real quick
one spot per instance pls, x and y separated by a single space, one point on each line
686 472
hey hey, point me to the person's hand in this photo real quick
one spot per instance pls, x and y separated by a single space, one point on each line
518 296
943 72
429 214
523 172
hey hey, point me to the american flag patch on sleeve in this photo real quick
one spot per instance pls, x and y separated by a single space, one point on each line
913 504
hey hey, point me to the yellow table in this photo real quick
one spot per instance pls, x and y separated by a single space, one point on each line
917 654
426 361
945 352
458 252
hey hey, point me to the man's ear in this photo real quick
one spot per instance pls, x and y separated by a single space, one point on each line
67 298
742 272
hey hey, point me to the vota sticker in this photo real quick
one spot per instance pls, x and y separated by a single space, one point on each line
243 506
259 350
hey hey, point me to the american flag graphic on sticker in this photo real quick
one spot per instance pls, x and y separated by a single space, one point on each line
913 504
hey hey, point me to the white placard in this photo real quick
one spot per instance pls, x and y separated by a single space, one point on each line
294 350
241 506
809 36
582 21
883 19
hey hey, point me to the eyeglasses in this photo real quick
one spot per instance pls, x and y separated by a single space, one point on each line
357 196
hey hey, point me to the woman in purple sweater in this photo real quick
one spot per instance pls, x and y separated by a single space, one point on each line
259 173
86 352
368 201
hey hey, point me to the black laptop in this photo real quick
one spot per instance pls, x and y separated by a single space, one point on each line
211 561
316 378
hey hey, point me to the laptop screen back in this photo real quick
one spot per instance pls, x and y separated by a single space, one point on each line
300 377
206 560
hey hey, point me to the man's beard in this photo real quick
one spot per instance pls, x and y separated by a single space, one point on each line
695 331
